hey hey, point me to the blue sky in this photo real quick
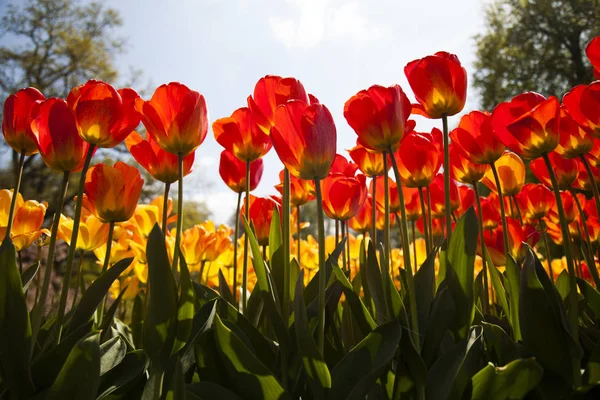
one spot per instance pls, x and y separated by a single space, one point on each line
335 47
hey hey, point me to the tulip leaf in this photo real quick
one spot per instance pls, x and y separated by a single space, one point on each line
96 293
356 373
591 295
513 381
275 236
224 289
257 260
174 382
543 316
15 327
210 390
424 283
79 377
500 347
249 377
132 366
513 285
442 315
29 274
160 322
186 307
497 285
112 352
461 259
449 376
110 314
314 364
562 284
311 291
360 312
375 282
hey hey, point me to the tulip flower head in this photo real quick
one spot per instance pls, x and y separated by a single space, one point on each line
462 169
582 102
342 166
104 116
566 170
176 117
369 162
593 53
574 140
418 160
529 124
113 192
436 190
27 222
476 137
304 137
511 171
362 221
301 191
233 172
241 135
19 110
439 83
535 201
394 196
260 215
343 196
379 116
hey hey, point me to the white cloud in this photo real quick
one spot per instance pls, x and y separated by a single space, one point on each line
220 204
308 22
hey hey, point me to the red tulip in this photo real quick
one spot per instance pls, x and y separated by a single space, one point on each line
113 192
394 196
466 194
369 162
362 222
528 124
436 191
583 181
517 235
19 110
437 225
476 137
342 166
233 172
570 207
462 169
261 214
343 196
490 211
574 140
439 83
593 228
104 116
418 160
304 138
176 117
566 171
583 102
535 201
379 116
241 135
272 91
160 164
58 141
301 191
593 52
412 204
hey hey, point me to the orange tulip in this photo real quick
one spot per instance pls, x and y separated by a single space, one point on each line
593 52
176 117
466 194
113 192
343 196
475 136
304 138
261 213
160 164
583 102
439 83
528 124
438 225
574 140
370 163
517 234
593 228
535 200
19 110
342 166
301 191
566 170
57 138
462 169
379 116
241 135
436 190
104 116
571 211
272 91
412 204
490 211
583 181
394 196
233 172
593 156
27 222
362 221
418 160
511 171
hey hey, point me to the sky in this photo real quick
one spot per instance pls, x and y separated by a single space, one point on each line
334 47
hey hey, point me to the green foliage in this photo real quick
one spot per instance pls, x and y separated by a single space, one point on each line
534 45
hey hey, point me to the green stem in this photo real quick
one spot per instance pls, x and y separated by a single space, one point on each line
486 300
429 219
344 256
544 233
406 253
345 223
322 269
235 249
425 224
447 206
573 307
374 212
20 259
587 243
502 211
518 209
285 309
71 255
165 210
414 238
79 279
298 234
593 182
109 240
386 224
246 243
13 202
179 215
